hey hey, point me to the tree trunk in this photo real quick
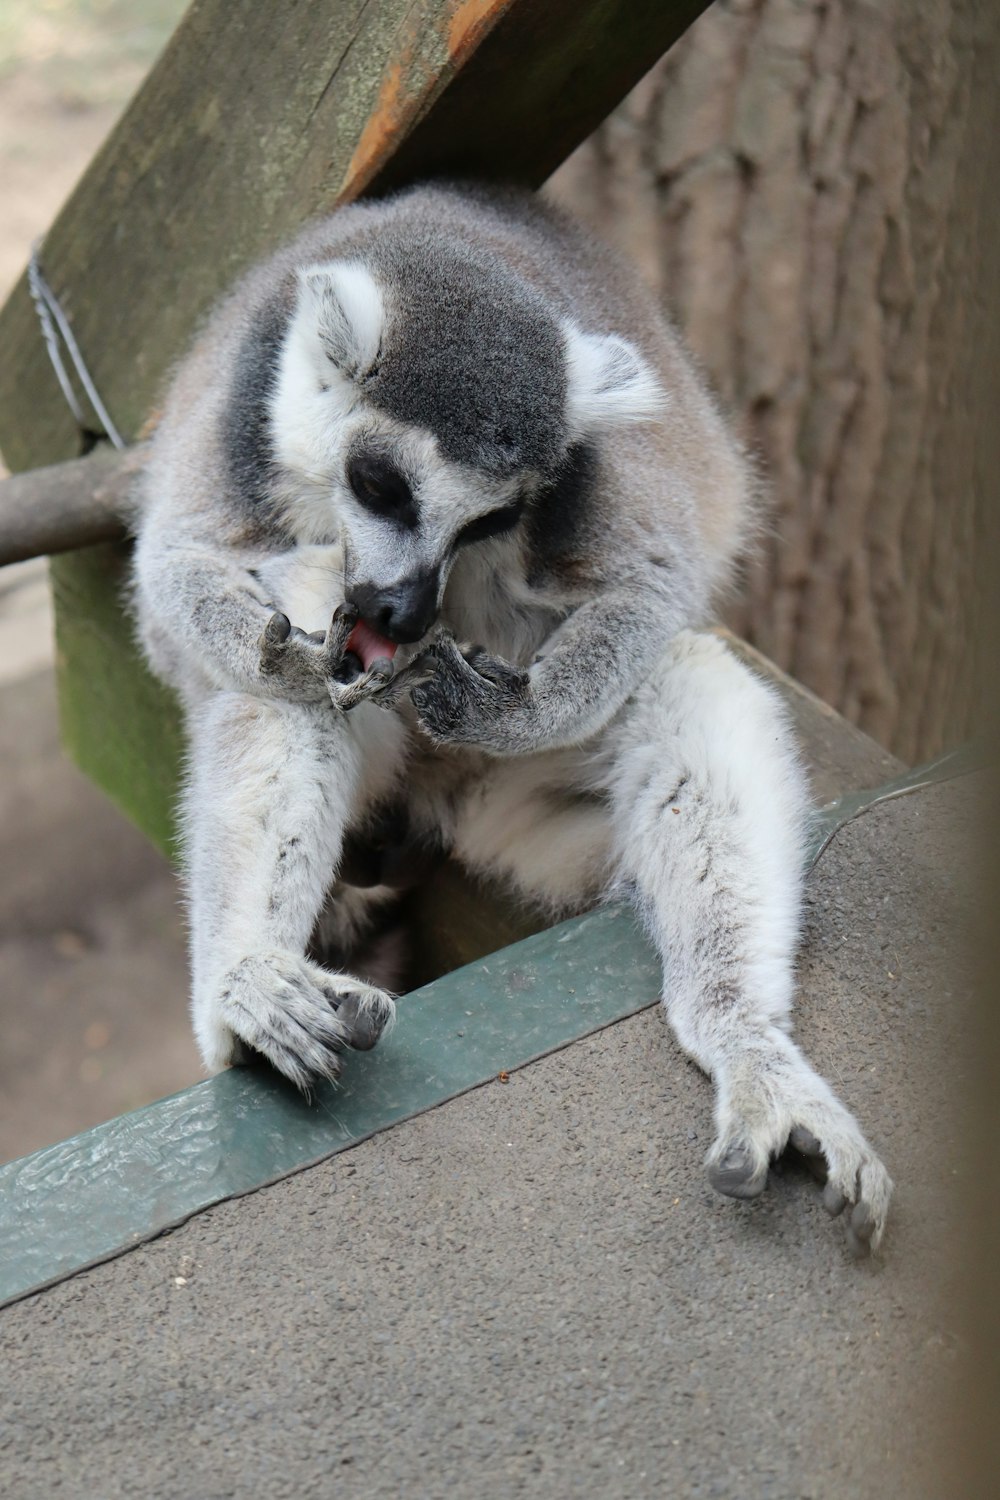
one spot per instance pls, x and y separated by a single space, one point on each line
799 181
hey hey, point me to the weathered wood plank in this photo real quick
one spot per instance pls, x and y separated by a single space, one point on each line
258 117
221 152
524 85
119 724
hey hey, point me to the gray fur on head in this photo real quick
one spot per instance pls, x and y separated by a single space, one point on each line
470 352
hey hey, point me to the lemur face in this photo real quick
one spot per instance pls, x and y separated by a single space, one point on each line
406 514
423 401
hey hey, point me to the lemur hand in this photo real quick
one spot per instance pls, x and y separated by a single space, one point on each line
472 698
311 667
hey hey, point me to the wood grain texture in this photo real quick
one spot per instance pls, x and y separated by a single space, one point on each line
243 129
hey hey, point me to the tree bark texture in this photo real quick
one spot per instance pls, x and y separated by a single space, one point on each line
801 181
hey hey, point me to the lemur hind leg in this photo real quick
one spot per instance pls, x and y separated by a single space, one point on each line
365 924
710 804
272 786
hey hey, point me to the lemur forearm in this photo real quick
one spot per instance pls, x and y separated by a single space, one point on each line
592 665
214 610
586 671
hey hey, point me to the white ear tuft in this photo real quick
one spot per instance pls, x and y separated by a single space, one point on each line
608 382
346 308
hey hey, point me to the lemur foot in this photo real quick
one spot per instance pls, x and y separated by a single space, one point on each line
300 1016
771 1101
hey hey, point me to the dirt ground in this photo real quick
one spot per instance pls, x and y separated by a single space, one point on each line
92 983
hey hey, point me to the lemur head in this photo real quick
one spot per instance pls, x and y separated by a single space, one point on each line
434 394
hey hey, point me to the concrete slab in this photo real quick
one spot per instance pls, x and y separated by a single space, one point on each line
532 1291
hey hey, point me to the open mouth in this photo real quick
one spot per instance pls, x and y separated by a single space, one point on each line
368 646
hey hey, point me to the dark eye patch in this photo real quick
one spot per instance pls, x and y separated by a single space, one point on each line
494 523
378 485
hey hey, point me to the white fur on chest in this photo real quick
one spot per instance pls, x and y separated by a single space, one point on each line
488 603
306 584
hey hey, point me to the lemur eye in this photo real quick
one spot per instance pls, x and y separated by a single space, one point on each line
378 485
494 523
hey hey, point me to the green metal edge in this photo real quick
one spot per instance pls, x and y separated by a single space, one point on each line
827 821
101 1193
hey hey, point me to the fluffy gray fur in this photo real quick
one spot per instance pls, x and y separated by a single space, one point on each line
454 407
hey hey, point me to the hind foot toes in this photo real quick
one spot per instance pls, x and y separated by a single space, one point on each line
300 1017
737 1173
774 1102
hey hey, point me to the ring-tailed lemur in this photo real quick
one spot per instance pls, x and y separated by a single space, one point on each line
452 417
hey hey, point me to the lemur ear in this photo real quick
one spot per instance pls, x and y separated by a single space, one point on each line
608 382
346 309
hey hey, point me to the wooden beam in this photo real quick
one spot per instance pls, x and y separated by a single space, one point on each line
65 506
258 117
121 726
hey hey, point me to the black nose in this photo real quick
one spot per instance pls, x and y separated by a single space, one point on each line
402 613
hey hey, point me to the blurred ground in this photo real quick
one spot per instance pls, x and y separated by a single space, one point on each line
92 983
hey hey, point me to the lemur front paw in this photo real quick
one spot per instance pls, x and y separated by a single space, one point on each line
301 1017
770 1102
314 666
471 697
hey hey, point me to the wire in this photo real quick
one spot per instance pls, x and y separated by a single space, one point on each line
55 324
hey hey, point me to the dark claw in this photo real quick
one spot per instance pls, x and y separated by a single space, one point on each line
860 1228
416 674
500 673
735 1175
412 676
346 614
345 617
365 1026
277 629
834 1201
366 687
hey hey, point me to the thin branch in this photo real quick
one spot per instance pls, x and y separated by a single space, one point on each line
68 505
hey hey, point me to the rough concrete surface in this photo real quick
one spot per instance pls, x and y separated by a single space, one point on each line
531 1290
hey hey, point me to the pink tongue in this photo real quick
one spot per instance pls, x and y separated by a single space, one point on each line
368 645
